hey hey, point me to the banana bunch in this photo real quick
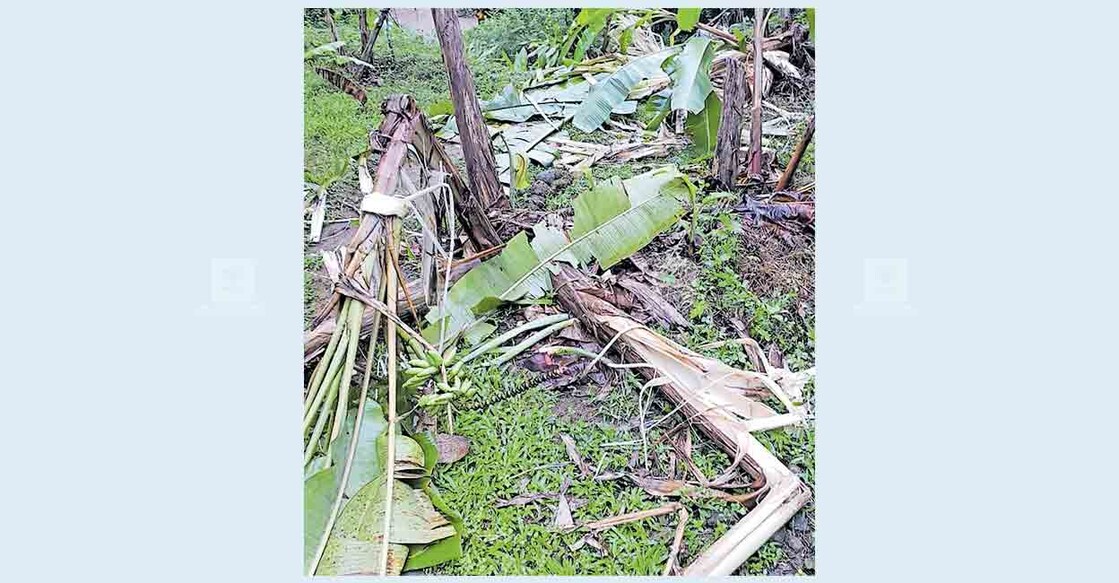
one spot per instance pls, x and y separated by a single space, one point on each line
428 365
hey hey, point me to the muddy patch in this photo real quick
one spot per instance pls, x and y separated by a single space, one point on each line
419 20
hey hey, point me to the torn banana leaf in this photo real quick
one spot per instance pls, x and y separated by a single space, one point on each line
354 545
447 549
510 275
686 18
657 109
511 105
703 127
409 456
690 73
557 101
612 221
525 139
612 90
619 217
588 23
520 171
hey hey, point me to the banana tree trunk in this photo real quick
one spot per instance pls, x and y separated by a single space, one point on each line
729 140
481 168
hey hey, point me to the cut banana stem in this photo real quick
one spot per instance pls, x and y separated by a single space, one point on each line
355 310
323 417
314 397
323 365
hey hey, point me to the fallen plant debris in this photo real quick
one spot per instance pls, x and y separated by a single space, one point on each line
597 153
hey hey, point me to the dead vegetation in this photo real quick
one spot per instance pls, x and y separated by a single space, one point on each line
431 251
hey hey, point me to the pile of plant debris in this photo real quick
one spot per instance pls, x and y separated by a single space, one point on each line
545 382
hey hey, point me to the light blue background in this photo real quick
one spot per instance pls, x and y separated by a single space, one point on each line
152 172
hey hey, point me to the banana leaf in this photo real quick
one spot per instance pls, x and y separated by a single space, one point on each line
704 126
510 105
318 495
557 101
512 274
355 543
686 18
447 549
618 218
657 108
612 221
612 91
588 23
366 466
690 73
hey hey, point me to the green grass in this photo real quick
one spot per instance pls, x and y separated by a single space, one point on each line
512 440
505 32
337 126
764 559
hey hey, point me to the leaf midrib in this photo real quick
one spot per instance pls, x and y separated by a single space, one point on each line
543 262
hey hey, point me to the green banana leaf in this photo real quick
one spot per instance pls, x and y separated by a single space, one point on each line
704 126
355 543
447 549
511 105
318 496
557 101
618 218
690 73
520 171
588 23
657 108
367 464
686 18
512 274
612 91
612 221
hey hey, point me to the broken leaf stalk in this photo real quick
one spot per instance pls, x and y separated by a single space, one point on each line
530 341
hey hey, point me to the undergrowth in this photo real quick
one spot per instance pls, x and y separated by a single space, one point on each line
336 125
515 449
725 303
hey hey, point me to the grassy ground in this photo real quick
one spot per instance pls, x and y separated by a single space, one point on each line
515 448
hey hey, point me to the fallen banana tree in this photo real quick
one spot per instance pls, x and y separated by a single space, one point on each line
715 396
612 222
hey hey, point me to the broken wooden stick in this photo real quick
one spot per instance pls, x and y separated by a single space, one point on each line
677 543
368 37
613 521
794 161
